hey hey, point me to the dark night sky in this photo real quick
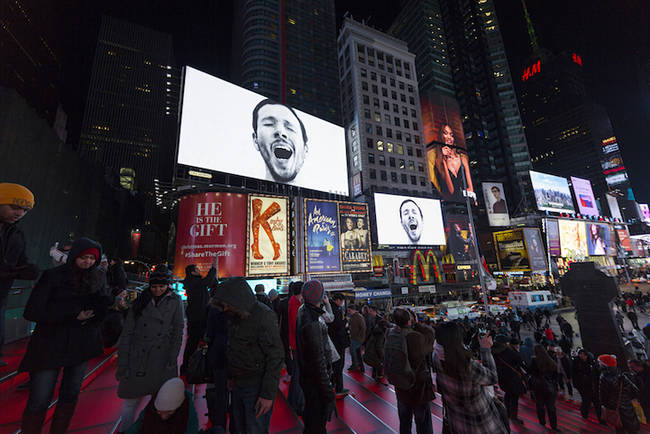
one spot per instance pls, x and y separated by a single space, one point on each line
613 38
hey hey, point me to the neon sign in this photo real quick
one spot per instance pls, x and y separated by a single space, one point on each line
531 70
577 59
427 263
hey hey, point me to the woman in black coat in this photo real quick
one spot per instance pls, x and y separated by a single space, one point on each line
543 371
67 305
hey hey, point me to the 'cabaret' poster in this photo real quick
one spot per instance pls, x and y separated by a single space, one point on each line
267 252
211 226
322 237
355 237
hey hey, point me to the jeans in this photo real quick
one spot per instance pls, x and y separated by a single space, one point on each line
589 398
295 397
421 414
355 353
511 401
3 310
129 407
243 411
315 414
42 384
546 401
337 370
217 398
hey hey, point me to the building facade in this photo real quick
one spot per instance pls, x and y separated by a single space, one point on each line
131 111
381 113
460 39
286 51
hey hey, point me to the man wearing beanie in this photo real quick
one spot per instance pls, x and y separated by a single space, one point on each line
314 358
171 411
254 354
15 201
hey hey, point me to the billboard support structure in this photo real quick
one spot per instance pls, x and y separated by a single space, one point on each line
476 251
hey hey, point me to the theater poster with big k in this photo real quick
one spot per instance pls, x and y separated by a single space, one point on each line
268 236
322 236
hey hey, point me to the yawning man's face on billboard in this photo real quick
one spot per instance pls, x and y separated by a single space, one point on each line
411 217
280 137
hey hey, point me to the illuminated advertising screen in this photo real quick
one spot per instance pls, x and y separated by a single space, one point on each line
584 196
268 236
460 244
511 250
495 204
229 129
408 221
573 238
535 249
610 145
616 178
355 240
598 239
211 226
551 193
624 239
614 210
553 235
645 212
446 149
322 236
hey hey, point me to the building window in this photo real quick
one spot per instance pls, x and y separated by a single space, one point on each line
393 176
420 167
422 181
413 113
366 113
391 161
384 92
375 102
371 158
366 99
395 108
414 180
389 147
402 97
368 128
410 88
418 153
373 174
377 117
383 175
387 119
398 135
411 166
392 82
409 150
382 78
369 142
401 85
411 100
386 106
406 124
380 145
375 89
364 85
389 133
404 178
382 160
364 72
402 164
373 76
405 111
397 124
417 139
393 95
408 136
379 130
400 149
415 126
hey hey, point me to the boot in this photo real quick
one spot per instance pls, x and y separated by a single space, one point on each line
62 416
276 251
32 422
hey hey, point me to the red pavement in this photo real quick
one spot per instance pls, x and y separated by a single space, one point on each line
371 407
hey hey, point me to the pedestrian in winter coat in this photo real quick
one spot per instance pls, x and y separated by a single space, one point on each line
261 295
641 370
67 304
254 355
374 348
617 390
314 359
586 375
341 341
631 315
295 396
357 336
564 370
543 372
116 276
526 351
509 368
415 403
150 343
217 396
196 287
15 202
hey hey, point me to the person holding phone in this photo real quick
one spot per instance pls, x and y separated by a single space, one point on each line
67 304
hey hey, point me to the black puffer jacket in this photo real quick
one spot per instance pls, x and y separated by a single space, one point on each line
59 338
336 328
618 390
313 351
13 261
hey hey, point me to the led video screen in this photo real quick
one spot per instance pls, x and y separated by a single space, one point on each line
584 196
573 238
495 204
598 239
408 221
551 193
229 129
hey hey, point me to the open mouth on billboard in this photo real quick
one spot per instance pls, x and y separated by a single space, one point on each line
283 153
413 226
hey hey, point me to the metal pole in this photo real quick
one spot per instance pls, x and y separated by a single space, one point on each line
475 240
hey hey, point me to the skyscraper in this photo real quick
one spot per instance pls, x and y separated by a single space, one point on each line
381 113
286 50
460 39
129 122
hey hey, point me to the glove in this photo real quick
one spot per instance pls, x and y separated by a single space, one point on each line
122 373
330 409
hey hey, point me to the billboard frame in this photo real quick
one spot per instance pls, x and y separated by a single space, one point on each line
248 233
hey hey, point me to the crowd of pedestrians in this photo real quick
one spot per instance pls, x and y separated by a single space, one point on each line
248 337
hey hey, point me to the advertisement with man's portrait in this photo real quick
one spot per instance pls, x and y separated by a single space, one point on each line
511 250
211 228
268 236
460 243
355 237
408 221
446 149
536 252
322 236
495 204
229 129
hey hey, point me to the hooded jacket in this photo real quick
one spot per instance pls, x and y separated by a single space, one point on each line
618 390
255 353
313 351
13 260
60 339
197 295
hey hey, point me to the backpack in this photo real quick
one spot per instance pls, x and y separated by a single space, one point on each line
396 362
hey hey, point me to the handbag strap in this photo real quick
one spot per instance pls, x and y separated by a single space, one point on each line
521 376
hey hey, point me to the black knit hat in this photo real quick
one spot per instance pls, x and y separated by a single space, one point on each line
160 275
